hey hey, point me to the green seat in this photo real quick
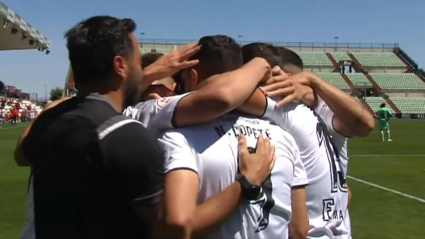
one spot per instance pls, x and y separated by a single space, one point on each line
315 58
398 81
334 78
340 56
384 59
375 102
410 105
359 80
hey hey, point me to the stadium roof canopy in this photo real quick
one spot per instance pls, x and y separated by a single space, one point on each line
17 34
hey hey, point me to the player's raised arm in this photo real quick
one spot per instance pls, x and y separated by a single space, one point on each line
351 117
170 63
221 94
182 214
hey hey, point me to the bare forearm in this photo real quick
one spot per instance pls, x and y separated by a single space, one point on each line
227 87
347 109
220 94
216 209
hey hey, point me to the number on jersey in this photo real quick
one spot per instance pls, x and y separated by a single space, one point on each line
338 180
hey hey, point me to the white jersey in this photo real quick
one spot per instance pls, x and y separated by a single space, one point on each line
327 195
340 142
211 150
28 232
155 114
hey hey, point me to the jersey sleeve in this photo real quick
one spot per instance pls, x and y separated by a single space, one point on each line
135 158
130 112
177 153
270 112
163 112
326 114
300 175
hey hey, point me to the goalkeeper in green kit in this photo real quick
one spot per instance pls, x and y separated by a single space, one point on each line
383 118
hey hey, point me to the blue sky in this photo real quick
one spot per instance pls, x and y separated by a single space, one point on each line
357 21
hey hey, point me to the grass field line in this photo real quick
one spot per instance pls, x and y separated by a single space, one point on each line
387 189
387 155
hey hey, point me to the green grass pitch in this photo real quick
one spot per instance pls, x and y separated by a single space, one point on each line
375 213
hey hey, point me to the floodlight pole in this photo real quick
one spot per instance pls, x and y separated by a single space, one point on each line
240 39
142 34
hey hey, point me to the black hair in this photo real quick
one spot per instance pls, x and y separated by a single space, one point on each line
94 43
218 54
262 50
149 58
290 57
382 105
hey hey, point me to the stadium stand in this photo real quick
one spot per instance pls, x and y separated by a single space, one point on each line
358 79
378 70
375 102
315 59
19 34
340 56
410 105
335 79
384 59
401 81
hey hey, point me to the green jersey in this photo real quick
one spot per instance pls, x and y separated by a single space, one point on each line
384 113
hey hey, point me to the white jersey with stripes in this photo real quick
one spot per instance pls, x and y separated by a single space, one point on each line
340 142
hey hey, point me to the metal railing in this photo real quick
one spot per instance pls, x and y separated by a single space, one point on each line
171 42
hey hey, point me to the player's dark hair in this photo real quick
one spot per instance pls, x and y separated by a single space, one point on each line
262 50
94 43
382 105
218 54
289 57
149 58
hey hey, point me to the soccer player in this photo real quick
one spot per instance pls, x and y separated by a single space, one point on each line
341 124
326 192
202 165
88 181
384 115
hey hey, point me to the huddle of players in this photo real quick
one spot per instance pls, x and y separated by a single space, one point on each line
305 195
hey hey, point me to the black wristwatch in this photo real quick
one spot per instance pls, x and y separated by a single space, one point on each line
249 191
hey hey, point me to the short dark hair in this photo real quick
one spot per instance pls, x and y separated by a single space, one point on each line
290 57
382 105
218 54
93 44
262 50
149 58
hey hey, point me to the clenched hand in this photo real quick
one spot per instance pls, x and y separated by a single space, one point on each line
256 167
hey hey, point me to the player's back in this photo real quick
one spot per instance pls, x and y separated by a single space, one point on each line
214 147
383 113
326 192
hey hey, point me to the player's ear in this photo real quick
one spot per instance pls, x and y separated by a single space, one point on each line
194 77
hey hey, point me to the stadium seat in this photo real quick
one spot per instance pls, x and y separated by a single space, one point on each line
398 81
163 51
334 78
387 59
315 58
340 56
145 50
410 105
375 102
358 79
